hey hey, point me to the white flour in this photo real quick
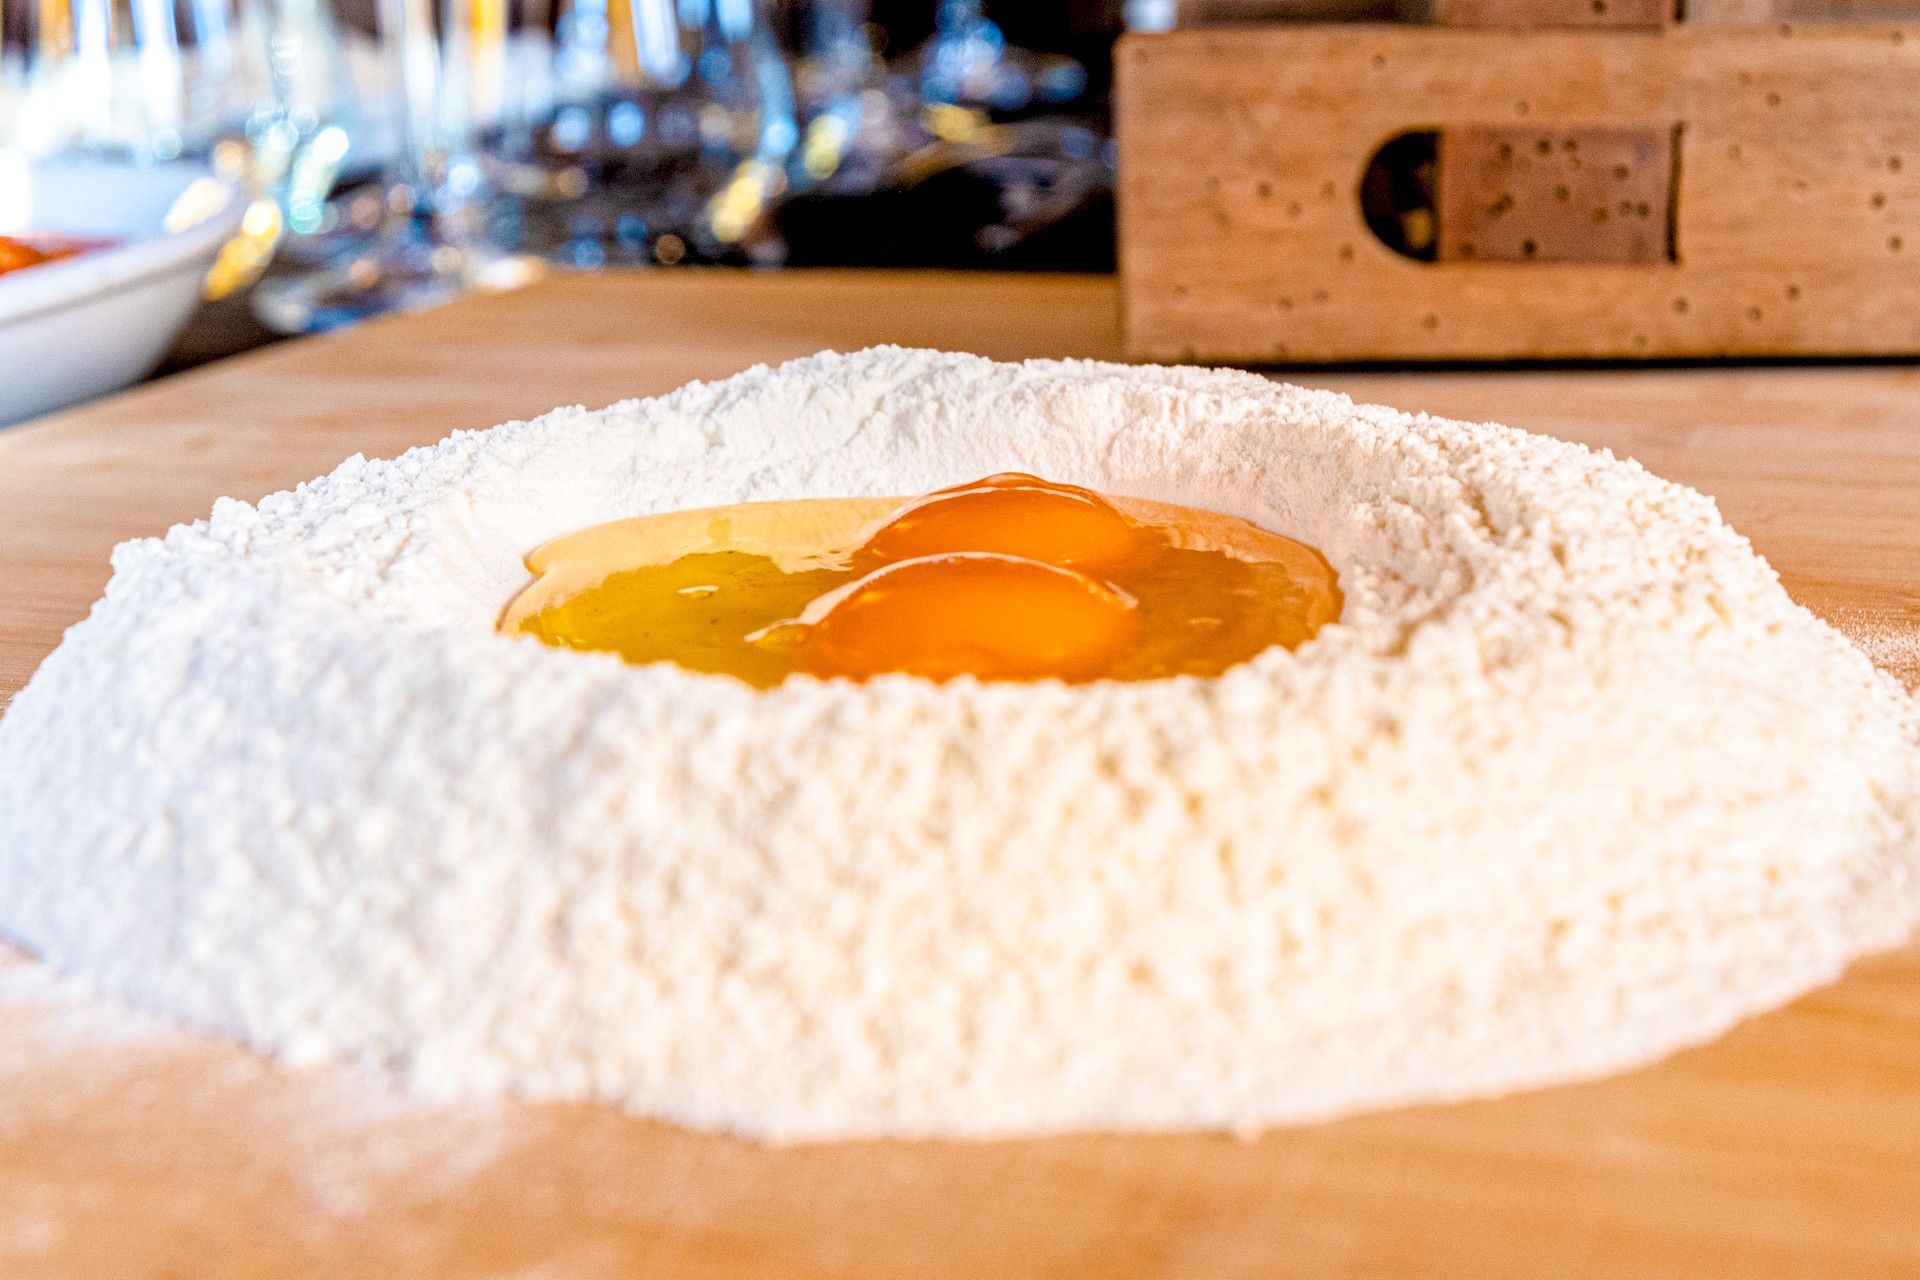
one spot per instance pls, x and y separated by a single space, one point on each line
1572 784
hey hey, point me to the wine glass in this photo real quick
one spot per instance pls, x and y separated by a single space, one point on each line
445 68
968 64
300 150
139 80
660 130
235 84
857 119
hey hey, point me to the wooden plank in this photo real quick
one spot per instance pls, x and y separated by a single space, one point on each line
1214 13
1209 13
1543 13
1242 236
1740 12
1784 1150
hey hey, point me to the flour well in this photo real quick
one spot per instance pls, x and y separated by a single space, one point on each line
1571 784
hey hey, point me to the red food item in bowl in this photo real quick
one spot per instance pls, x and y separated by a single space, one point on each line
17 252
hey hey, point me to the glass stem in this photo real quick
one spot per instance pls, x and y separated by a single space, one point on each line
412 58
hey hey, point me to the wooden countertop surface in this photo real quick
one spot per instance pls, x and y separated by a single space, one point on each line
1789 1148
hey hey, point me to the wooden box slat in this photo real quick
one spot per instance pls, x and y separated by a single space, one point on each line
1543 13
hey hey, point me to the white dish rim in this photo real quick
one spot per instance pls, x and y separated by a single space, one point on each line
36 290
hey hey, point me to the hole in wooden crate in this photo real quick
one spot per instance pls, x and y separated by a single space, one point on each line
1396 194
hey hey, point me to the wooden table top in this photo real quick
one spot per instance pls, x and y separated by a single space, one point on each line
1789 1148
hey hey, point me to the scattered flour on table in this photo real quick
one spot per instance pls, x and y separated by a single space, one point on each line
191 1117
1570 785
1893 643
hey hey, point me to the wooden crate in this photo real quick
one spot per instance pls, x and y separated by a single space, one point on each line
1790 171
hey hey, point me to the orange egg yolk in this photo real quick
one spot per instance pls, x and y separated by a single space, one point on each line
1007 578
986 614
1014 515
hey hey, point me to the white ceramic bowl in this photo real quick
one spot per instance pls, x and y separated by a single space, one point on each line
82 326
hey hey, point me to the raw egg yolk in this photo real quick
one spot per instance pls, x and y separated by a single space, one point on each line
1012 514
986 614
1008 578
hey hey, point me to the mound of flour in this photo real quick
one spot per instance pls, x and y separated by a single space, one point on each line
1571 784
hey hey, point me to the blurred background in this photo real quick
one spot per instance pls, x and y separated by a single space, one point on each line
393 153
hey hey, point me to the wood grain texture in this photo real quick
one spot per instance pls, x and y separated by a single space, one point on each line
1214 13
1787 1149
1543 13
1797 228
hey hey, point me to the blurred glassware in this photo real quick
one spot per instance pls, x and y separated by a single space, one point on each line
242 84
447 73
659 130
742 99
300 151
1150 15
963 62
1001 157
132 79
856 119
967 63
